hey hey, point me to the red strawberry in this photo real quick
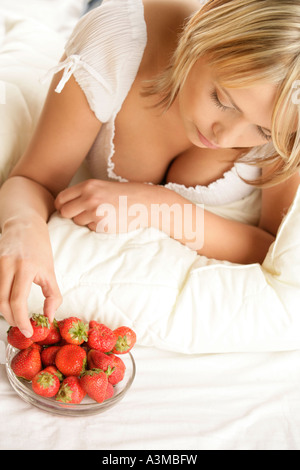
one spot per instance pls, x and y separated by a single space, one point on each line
45 384
53 336
118 370
73 330
98 360
17 339
27 363
94 382
125 340
54 370
71 391
109 391
100 337
48 355
41 327
109 363
37 346
71 360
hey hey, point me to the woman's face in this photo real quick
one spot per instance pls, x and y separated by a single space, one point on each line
215 117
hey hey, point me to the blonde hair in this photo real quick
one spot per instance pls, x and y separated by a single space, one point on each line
246 42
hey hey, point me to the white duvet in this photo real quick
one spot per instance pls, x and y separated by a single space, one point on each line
175 299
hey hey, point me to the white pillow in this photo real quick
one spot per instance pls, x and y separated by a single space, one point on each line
59 15
28 50
173 298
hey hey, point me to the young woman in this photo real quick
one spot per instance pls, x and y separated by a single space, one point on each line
196 103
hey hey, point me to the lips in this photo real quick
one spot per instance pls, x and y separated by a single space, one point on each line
206 142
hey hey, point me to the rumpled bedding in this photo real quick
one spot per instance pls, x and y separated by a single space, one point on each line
175 299
218 343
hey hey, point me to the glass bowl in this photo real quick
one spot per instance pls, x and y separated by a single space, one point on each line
86 407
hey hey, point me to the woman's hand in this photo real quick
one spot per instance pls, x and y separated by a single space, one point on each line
26 257
114 207
105 206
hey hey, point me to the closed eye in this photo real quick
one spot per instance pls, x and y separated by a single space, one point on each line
267 137
215 98
220 105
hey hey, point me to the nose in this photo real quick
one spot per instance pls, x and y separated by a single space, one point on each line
229 133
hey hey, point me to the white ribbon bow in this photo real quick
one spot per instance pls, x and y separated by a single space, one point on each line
69 65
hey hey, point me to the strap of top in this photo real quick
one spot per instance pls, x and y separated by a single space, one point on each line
69 65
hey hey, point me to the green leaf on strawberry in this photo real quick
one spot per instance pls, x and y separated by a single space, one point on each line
71 391
41 327
73 330
45 384
125 340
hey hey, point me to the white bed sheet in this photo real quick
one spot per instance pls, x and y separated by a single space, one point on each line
177 402
193 402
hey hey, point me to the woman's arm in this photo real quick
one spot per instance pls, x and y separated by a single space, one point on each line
64 134
276 202
134 205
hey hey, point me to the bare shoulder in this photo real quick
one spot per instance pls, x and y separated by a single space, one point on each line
170 9
165 20
162 15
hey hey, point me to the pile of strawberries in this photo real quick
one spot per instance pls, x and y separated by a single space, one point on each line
70 359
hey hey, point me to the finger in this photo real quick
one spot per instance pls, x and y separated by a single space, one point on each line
7 314
84 218
18 301
67 195
72 208
53 297
93 226
6 281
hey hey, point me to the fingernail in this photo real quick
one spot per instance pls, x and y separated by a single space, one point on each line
26 333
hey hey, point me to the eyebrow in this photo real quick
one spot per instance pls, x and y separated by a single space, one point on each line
238 109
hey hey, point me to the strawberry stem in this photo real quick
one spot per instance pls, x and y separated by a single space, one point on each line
46 379
64 394
41 320
91 372
122 344
79 330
